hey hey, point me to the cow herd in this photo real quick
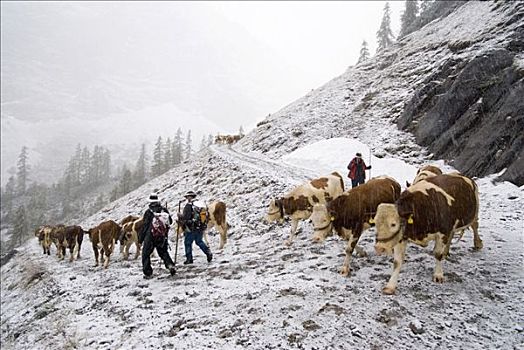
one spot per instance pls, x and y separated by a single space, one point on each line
104 236
434 207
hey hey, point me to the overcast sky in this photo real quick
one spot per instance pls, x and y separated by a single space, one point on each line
322 38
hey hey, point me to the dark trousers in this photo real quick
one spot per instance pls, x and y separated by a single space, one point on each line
194 236
161 248
356 182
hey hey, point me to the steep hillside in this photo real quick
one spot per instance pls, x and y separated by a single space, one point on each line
259 294
455 84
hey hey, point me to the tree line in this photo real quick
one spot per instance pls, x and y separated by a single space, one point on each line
89 181
416 14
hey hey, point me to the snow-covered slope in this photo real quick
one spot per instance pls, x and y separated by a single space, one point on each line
257 293
372 96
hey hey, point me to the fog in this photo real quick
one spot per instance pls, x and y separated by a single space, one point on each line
224 64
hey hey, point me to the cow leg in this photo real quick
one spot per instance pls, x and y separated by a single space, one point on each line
294 224
73 251
477 242
107 253
95 250
438 251
138 249
352 242
399 251
223 235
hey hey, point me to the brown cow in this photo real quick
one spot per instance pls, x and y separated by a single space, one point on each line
432 209
129 235
103 238
350 213
298 204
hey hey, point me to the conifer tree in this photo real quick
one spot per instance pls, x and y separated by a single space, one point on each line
20 225
203 143
425 5
85 162
139 177
210 140
384 34
9 194
168 158
157 166
177 148
241 131
408 17
188 149
22 171
126 182
364 52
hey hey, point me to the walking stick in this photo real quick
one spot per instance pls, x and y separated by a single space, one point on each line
177 232
369 164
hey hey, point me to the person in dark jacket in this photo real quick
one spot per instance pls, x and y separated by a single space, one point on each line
192 233
357 170
149 243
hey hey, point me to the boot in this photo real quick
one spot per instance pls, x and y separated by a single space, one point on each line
188 261
209 257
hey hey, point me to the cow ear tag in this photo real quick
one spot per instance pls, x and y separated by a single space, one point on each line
371 221
332 218
410 219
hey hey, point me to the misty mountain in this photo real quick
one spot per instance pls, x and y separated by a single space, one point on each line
66 65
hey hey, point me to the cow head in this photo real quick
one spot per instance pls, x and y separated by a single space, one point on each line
275 211
322 221
389 228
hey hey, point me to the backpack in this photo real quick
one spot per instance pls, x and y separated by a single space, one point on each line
160 225
199 217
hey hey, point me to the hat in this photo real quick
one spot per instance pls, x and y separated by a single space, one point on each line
153 197
359 154
190 194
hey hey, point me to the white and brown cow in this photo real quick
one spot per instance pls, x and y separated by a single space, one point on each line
103 238
350 213
217 219
432 209
43 240
425 172
129 236
298 204
64 237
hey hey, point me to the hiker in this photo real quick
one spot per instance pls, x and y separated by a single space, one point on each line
154 235
357 170
193 229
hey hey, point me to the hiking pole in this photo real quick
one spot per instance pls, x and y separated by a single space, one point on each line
177 232
369 163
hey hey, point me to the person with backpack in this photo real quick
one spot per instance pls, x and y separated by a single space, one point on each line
154 236
357 170
194 221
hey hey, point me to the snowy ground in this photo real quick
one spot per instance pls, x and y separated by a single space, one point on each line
259 294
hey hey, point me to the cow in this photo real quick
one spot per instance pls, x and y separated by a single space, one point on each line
431 209
74 236
45 244
425 172
349 214
129 235
217 219
54 235
103 238
298 204
129 218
